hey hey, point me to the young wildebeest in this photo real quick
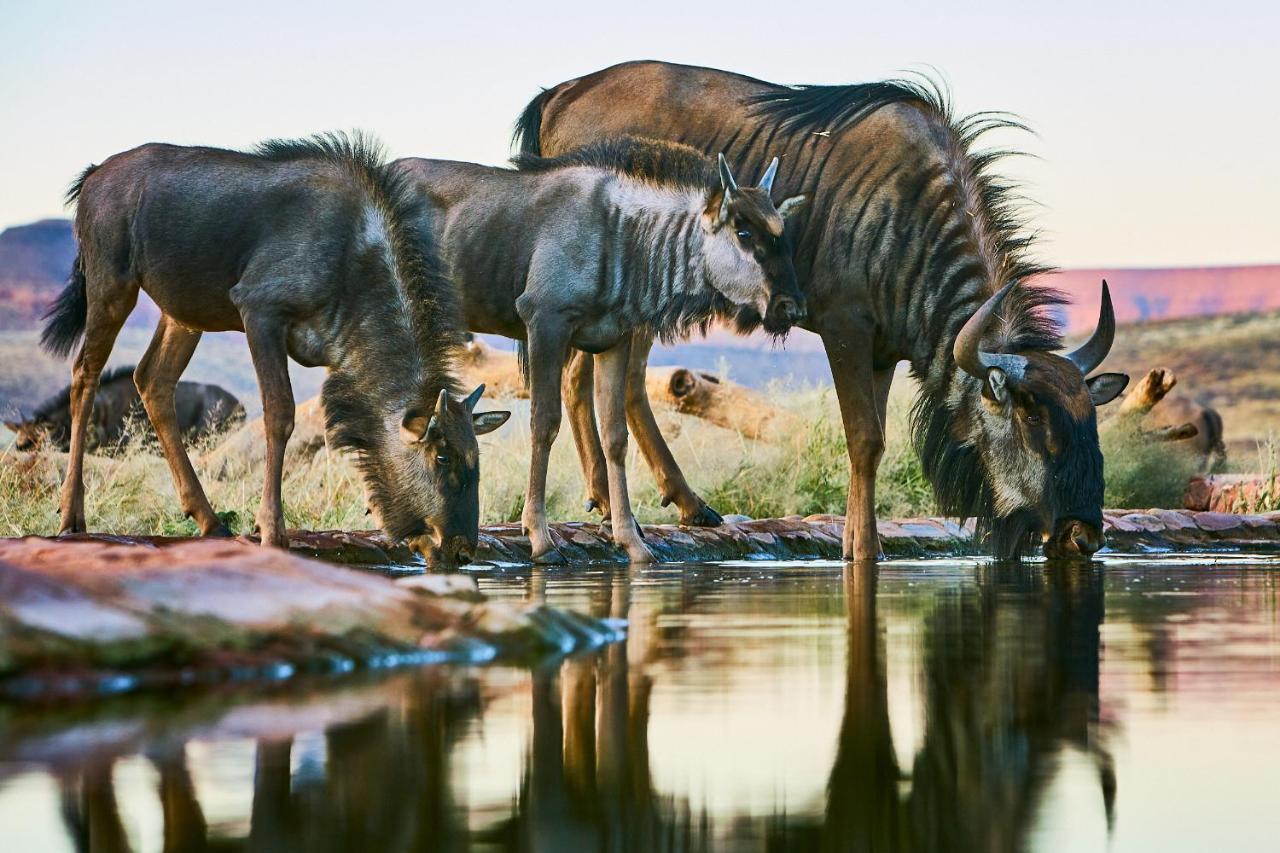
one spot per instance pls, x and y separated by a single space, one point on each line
201 410
308 248
908 236
584 250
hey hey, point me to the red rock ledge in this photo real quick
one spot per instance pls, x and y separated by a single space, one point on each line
103 614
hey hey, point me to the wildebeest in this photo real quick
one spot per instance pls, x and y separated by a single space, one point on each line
202 410
309 247
908 235
584 250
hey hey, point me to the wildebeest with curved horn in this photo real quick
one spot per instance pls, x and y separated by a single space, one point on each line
911 249
310 248
201 410
622 237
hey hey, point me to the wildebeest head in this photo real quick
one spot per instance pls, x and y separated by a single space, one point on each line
436 502
1036 432
29 435
748 256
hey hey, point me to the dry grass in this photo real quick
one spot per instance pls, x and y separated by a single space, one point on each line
132 493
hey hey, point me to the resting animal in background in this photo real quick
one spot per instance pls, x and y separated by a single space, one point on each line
1177 418
305 247
625 237
201 410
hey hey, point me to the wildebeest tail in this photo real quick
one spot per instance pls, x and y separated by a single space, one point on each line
528 129
522 361
1214 421
68 315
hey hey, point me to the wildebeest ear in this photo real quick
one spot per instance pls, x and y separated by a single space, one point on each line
997 386
414 426
487 422
474 397
1105 387
791 206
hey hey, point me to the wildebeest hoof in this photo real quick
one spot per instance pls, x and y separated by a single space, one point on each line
638 552
705 516
549 557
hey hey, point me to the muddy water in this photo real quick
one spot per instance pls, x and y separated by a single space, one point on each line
930 706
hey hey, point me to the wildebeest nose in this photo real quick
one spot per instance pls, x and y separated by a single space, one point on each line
791 310
463 553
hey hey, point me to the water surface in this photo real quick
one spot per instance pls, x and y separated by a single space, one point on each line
926 706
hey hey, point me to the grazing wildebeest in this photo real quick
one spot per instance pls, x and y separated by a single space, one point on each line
310 248
621 237
908 235
201 410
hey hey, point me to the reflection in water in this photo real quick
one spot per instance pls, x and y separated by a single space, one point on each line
1005 681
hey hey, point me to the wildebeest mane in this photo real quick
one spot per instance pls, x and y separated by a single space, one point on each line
62 400
667 164
432 303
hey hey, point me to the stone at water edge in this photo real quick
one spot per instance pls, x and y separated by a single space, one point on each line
83 615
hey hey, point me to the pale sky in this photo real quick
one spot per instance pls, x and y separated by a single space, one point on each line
1158 126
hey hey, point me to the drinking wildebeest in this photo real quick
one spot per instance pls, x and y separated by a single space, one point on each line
310 248
201 410
912 249
624 236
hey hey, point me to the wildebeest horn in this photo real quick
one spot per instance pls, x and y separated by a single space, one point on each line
766 183
1094 350
726 177
968 350
442 407
474 397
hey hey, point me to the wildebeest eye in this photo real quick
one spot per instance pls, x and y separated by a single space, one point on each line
1031 419
442 459
744 235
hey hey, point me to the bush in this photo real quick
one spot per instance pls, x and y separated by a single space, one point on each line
1142 473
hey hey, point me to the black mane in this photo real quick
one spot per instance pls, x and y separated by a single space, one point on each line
668 164
62 399
433 306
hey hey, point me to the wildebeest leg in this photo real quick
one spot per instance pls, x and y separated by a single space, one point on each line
579 389
671 482
105 317
848 344
548 349
157 377
271 362
611 398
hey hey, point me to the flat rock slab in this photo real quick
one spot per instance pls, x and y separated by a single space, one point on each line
95 615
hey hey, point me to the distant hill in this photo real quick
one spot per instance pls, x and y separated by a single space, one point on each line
35 260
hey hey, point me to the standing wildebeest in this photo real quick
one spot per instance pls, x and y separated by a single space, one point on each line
201 410
908 237
623 237
309 247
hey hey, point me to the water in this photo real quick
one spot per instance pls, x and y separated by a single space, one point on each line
932 706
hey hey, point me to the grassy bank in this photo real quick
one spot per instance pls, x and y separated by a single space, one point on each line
132 493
